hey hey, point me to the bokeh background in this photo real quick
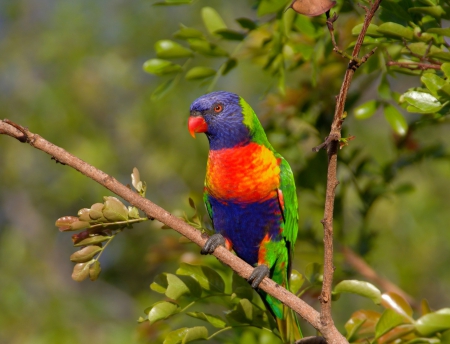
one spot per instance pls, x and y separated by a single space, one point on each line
71 71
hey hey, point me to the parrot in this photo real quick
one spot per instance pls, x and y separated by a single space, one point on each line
250 196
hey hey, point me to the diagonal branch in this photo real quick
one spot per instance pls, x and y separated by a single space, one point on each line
154 211
331 144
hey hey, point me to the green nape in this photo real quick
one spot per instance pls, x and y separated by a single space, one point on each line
252 122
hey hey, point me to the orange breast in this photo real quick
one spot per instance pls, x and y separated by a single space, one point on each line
245 174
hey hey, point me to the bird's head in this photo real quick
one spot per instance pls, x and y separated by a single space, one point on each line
224 117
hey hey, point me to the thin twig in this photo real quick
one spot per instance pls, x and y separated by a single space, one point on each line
331 144
154 211
425 63
414 65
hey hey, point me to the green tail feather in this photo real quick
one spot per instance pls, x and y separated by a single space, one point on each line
289 327
286 318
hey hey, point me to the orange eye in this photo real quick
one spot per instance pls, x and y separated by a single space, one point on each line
218 108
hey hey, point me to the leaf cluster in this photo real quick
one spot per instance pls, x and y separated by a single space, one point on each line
98 225
199 286
411 35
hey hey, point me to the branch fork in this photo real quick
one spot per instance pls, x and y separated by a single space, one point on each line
331 144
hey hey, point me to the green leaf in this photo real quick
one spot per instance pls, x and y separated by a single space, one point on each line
372 30
77 225
366 110
168 49
182 285
160 283
85 254
360 323
205 48
187 32
92 240
352 326
246 23
440 31
359 287
94 270
229 65
296 281
212 319
133 213
83 215
198 73
395 119
186 335
441 55
398 304
303 24
209 279
395 12
396 30
241 288
445 67
444 92
212 20
445 338
230 35
398 332
434 322
136 179
425 102
65 223
433 83
420 48
162 310
246 313
389 319
96 212
270 6
80 272
164 88
425 307
314 273
161 67
434 11
114 210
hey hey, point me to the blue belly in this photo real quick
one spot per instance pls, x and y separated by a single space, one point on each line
246 225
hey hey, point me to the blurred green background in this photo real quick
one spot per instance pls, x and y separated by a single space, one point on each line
71 71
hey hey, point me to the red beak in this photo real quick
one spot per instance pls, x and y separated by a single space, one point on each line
197 125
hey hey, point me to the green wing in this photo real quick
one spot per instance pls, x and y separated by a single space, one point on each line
290 208
208 206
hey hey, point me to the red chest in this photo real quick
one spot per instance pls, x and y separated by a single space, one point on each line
245 174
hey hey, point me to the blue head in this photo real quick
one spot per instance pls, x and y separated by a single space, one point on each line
220 116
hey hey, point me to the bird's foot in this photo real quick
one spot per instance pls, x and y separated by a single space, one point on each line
212 243
258 275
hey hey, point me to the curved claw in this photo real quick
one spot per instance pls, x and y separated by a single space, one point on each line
258 275
212 243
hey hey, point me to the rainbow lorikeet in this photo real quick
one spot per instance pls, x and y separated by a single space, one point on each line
250 196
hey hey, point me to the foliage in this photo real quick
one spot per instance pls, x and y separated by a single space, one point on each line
414 43
90 97
100 224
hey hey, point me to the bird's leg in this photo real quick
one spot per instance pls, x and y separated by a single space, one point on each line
213 242
258 275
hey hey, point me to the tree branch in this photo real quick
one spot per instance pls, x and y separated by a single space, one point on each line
331 144
154 211
358 263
